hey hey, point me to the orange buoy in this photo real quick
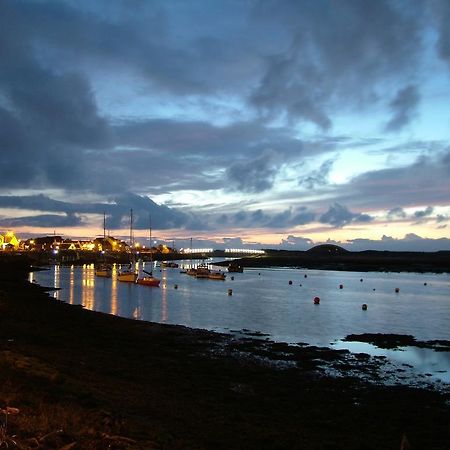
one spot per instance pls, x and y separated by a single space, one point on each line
364 307
316 300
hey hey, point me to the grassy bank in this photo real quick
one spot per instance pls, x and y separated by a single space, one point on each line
366 261
86 380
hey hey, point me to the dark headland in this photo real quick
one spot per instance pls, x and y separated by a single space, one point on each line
333 257
77 379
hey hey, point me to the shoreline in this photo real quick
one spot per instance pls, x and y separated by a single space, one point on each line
107 380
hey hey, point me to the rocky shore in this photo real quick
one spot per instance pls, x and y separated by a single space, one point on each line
77 379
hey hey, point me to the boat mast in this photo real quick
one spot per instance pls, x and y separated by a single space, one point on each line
104 227
131 228
150 235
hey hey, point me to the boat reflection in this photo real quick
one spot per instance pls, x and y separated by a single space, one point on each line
164 309
57 282
71 285
114 304
88 286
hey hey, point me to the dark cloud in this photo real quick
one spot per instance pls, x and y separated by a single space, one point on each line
48 118
411 242
290 217
255 175
424 213
425 181
43 220
318 177
124 99
336 54
117 212
441 12
396 213
339 216
403 108
441 218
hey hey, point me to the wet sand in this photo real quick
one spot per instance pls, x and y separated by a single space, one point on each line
87 380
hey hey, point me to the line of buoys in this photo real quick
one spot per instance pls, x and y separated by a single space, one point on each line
316 300
230 291
290 281
364 307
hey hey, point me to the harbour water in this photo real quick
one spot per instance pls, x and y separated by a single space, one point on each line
264 301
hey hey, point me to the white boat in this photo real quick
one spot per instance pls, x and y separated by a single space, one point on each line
129 275
149 279
103 270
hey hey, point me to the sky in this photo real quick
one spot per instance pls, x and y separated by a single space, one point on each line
257 123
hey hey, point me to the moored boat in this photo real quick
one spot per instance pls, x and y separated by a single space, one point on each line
202 271
149 281
217 276
103 270
127 276
171 265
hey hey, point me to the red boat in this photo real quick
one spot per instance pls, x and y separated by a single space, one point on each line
149 281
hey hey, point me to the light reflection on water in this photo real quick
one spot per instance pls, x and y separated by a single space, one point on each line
264 300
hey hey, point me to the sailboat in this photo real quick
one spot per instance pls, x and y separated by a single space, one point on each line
149 279
129 275
192 271
103 270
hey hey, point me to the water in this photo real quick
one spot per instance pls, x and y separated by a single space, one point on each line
264 301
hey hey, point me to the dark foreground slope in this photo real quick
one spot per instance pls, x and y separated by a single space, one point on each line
84 380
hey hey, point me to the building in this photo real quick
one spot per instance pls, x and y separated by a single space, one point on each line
8 241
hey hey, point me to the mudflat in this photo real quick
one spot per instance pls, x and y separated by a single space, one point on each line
77 379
